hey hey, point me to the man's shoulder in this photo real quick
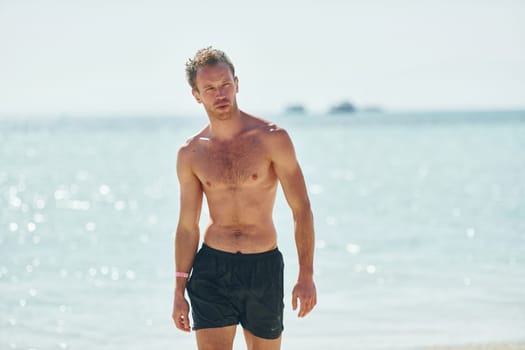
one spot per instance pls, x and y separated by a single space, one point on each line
266 128
191 143
275 138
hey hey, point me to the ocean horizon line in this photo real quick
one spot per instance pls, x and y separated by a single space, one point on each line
312 113
308 112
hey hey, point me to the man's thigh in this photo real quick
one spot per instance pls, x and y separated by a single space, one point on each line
256 343
216 338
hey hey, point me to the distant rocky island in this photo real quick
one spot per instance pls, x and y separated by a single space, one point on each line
344 107
295 109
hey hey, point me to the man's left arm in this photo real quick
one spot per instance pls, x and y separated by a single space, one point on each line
292 181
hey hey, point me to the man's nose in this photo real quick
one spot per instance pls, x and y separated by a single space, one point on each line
221 92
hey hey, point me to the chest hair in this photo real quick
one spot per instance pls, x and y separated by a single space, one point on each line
234 162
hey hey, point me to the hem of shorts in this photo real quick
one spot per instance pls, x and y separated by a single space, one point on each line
273 336
199 327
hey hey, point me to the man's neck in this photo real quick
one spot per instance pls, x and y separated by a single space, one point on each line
228 128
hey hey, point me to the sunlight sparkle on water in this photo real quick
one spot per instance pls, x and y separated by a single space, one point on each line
77 205
371 269
130 274
38 218
14 200
353 248
61 194
316 189
119 205
31 226
104 190
330 220
39 203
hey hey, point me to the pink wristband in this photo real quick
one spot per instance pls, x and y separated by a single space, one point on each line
182 274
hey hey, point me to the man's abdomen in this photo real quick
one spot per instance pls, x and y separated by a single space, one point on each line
241 238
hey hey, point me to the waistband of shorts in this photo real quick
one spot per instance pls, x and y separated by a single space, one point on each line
221 253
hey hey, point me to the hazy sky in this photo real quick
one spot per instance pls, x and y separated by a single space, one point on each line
126 57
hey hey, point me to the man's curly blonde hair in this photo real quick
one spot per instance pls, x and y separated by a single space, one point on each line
207 56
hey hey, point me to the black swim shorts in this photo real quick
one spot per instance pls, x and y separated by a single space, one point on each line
227 289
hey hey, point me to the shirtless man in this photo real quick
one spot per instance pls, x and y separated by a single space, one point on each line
237 161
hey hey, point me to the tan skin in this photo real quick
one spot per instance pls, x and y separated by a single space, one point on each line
237 161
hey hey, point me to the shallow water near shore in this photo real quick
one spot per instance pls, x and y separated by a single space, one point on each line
420 225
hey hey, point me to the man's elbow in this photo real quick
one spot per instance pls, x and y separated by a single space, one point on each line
303 213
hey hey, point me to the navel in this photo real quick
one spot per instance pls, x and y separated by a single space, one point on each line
208 183
254 177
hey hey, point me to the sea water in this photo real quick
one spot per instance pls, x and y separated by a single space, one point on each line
419 217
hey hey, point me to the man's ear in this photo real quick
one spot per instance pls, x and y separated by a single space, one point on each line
236 80
196 94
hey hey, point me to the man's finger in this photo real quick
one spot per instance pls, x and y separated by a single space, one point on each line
294 302
306 307
302 310
183 323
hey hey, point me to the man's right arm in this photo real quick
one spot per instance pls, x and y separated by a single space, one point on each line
187 234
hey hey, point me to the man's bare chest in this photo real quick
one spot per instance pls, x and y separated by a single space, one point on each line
235 163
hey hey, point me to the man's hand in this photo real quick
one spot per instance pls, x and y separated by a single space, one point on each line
180 313
304 291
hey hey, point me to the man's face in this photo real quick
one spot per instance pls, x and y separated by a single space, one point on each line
216 88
